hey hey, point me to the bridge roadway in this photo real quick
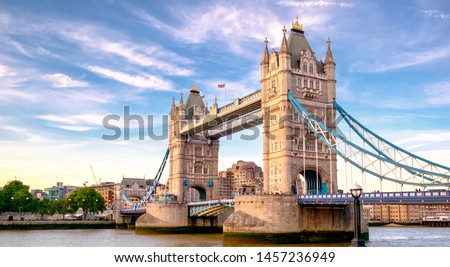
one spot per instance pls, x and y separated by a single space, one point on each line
233 111
434 197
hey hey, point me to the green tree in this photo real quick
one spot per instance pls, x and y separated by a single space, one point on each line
23 201
43 207
88 200
60 206
14 197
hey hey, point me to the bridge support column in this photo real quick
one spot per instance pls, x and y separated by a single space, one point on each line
279 219
161 217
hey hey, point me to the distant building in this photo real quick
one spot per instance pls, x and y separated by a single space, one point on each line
38 193
106 189
225 188
244 177
401 213
136 188
59 191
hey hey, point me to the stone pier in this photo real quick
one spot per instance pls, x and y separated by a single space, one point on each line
279 219
173 218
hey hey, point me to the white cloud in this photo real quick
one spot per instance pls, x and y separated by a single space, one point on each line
402 60
76 128
438 93
426 137
78 123
60 80
238 24
314 4
24 132
143 81
144 55
437 14
90 119
5 71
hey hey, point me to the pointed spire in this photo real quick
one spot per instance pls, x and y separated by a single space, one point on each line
173 101
296 25
284 45
194 89
180 105
329 56
265 58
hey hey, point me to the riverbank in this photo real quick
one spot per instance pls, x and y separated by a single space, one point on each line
56 225
390 224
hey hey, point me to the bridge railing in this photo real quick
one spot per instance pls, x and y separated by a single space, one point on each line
425 197
212 202
239 102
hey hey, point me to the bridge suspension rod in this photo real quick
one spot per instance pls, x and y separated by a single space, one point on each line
332 139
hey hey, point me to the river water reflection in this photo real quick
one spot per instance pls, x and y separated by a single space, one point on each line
379 237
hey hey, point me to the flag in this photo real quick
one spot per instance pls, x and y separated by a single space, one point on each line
221 85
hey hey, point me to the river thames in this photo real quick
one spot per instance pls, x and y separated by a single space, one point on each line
400 236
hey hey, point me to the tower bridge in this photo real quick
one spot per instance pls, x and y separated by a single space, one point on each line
297 108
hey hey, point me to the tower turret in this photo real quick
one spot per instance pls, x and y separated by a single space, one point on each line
285 55
265 60
330 73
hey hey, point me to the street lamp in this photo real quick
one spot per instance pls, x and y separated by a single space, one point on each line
356 192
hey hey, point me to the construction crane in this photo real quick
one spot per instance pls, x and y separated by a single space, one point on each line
95 178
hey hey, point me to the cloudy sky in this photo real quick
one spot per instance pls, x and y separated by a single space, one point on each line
64 66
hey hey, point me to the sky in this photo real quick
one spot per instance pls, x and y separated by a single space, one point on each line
66 65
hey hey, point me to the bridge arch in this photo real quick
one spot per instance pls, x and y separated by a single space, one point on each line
311 180
196 192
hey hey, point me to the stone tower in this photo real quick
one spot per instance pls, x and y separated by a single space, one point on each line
193 160
295 161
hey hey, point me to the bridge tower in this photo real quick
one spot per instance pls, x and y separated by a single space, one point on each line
295 160
193 161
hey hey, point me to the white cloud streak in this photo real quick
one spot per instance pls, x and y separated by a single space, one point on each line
314 4
403 60
78 123
148 55
426 137
436 14
438 93
143 81
60 80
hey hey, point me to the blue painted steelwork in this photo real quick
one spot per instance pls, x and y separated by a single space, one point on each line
397 198
374 138
326 132
148 197
201 206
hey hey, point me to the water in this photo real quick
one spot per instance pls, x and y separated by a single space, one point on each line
401 236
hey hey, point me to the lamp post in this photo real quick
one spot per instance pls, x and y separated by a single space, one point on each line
356 192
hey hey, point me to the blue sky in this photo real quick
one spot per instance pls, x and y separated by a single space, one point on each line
65 65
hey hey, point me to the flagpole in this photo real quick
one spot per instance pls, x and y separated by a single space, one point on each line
225 94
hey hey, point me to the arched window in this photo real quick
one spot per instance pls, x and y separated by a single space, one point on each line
311 68
198 151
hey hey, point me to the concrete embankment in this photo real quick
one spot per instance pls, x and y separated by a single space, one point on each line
51 225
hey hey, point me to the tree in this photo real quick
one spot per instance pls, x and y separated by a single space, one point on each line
14 196
23 201
60 206
43 207
88 200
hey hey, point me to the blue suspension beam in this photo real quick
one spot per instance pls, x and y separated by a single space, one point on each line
307 117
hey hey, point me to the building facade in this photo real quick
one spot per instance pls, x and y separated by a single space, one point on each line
242 178
193 161
295 161
412 214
